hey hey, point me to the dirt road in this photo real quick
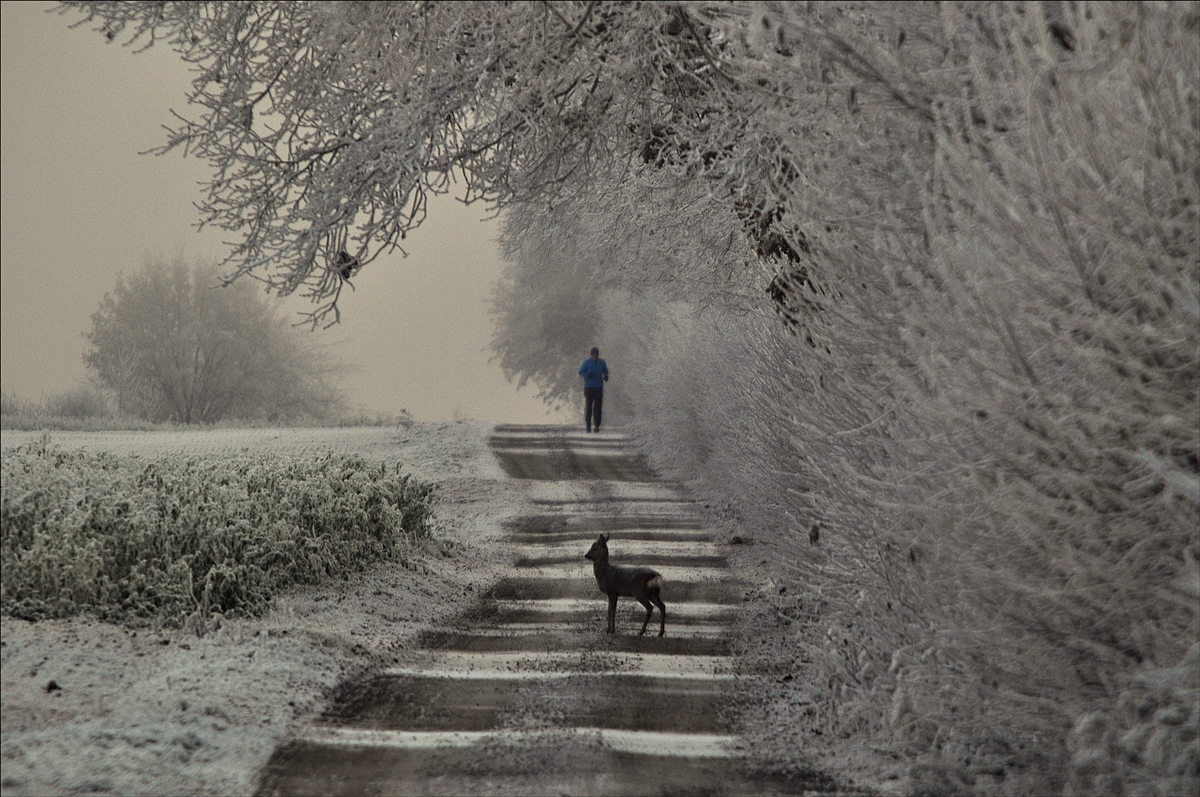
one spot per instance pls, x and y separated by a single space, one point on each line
523 693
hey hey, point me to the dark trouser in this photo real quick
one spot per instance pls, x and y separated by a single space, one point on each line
593 400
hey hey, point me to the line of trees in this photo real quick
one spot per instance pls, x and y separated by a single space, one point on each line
172 344
920 277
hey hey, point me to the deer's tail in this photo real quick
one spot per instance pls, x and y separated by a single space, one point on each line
655 583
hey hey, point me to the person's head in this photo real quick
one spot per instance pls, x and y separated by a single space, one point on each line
595 353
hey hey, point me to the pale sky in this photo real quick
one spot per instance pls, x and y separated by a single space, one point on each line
80 205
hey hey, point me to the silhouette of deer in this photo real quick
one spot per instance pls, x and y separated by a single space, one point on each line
641 583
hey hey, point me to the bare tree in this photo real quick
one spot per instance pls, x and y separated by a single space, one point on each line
174 346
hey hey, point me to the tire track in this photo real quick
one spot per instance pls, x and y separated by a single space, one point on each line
525 694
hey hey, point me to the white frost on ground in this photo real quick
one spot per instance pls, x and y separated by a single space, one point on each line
166 712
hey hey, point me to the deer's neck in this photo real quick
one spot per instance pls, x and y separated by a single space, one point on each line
601 567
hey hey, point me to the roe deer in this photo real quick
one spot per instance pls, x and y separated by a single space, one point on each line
631 582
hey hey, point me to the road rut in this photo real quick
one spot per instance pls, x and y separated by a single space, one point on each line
525 694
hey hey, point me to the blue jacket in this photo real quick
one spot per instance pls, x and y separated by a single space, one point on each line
594 372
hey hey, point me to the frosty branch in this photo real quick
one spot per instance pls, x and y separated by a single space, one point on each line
328 126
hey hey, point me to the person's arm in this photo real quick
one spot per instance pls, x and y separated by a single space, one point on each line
583 369
606 372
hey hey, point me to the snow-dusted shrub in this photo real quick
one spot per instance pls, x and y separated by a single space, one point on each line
12 404
983 396
84 409
1042 350
131 539
80 402
1149 742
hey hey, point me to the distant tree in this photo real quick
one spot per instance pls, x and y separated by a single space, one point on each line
541 330
171 346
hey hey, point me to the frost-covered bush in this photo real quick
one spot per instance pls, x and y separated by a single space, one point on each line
1149 742
85 408
983 392
11 403
130 539
80 403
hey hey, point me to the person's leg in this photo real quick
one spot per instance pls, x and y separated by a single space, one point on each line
599 406
589 397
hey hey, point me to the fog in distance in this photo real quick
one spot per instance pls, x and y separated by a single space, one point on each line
80 205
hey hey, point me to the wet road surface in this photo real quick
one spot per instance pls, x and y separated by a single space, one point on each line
524 694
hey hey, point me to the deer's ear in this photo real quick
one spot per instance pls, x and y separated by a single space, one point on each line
604 537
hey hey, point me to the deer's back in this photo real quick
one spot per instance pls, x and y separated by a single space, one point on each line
625 581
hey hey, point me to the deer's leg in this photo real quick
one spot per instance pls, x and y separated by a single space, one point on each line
612 614
662 610
649 611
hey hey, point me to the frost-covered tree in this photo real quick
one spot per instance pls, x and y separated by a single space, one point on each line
328 125
173 345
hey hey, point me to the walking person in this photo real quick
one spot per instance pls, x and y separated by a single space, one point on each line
595 373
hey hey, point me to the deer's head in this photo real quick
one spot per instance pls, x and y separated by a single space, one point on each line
599 550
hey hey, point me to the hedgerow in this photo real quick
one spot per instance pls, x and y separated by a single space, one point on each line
134 540
955 386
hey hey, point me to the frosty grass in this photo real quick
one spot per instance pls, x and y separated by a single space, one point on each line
131 539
